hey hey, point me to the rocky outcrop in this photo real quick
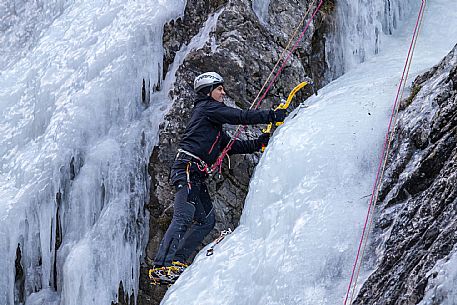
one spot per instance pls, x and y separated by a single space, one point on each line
244 51
417 217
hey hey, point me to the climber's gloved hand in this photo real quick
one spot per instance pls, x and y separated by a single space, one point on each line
263 139
278 115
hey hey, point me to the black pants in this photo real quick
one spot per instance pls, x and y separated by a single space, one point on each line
193 216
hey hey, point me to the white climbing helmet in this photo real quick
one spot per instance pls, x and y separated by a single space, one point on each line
208 79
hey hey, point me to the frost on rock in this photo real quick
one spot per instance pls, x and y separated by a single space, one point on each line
442 283
260 8
415 244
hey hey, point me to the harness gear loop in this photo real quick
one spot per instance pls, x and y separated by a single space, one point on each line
189 185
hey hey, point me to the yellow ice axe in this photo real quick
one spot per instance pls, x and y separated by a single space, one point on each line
285 104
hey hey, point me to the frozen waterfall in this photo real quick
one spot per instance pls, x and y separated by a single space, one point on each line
308 198
81 99
360 30
79 116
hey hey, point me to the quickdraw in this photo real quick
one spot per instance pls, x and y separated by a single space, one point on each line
189 184
222 235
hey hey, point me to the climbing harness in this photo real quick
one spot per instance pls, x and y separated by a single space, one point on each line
201 165
255 104
222 235
383 161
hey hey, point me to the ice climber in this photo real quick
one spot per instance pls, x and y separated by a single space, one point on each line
202 143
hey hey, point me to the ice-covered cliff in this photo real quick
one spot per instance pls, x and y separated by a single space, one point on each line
79 113
84 86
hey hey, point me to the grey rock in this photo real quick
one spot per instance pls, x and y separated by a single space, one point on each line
417 218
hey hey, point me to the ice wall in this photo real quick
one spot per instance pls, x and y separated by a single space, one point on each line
307 201
21 24
260 8
360 30
441 287
79 114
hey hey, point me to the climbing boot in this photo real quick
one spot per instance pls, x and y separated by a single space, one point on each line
164 275
181 266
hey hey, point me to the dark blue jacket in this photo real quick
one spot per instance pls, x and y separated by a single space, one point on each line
204 136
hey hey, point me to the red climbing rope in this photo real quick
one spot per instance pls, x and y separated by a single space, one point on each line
220 159
382 162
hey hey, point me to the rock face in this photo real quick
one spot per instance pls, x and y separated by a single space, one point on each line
244 52
417 217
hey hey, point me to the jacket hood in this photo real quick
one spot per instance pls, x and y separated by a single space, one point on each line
202 98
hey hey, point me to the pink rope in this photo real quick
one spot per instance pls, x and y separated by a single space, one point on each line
290 53
383 154
225 151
